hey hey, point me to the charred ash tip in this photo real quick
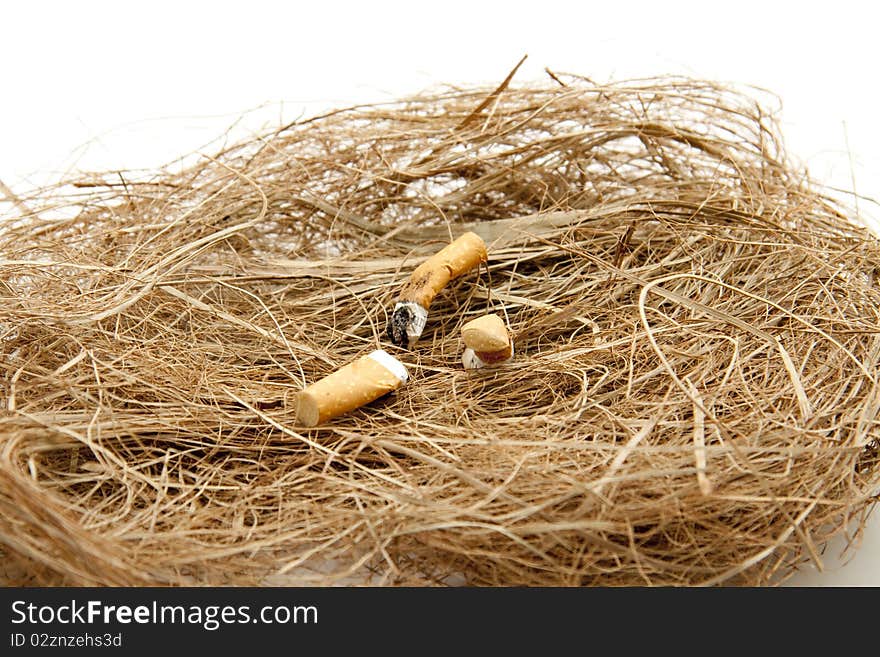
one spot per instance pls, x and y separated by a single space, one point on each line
401 319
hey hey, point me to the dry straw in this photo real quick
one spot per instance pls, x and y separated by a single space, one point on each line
693 398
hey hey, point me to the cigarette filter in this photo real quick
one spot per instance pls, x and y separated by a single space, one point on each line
350 387
488 342
411 312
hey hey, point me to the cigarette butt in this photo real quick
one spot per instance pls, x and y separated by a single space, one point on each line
411 312
488 342
350 387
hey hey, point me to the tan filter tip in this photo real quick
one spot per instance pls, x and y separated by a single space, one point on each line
486 334
350 387
426 281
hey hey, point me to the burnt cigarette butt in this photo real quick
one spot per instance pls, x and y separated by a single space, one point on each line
411 312
488 342
350 387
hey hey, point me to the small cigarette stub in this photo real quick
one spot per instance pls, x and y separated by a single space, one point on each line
350 387
411 312
487 342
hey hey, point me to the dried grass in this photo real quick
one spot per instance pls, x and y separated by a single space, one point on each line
693 401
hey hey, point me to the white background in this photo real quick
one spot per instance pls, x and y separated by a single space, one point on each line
123 85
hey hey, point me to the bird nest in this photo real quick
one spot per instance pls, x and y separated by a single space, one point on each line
693 397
